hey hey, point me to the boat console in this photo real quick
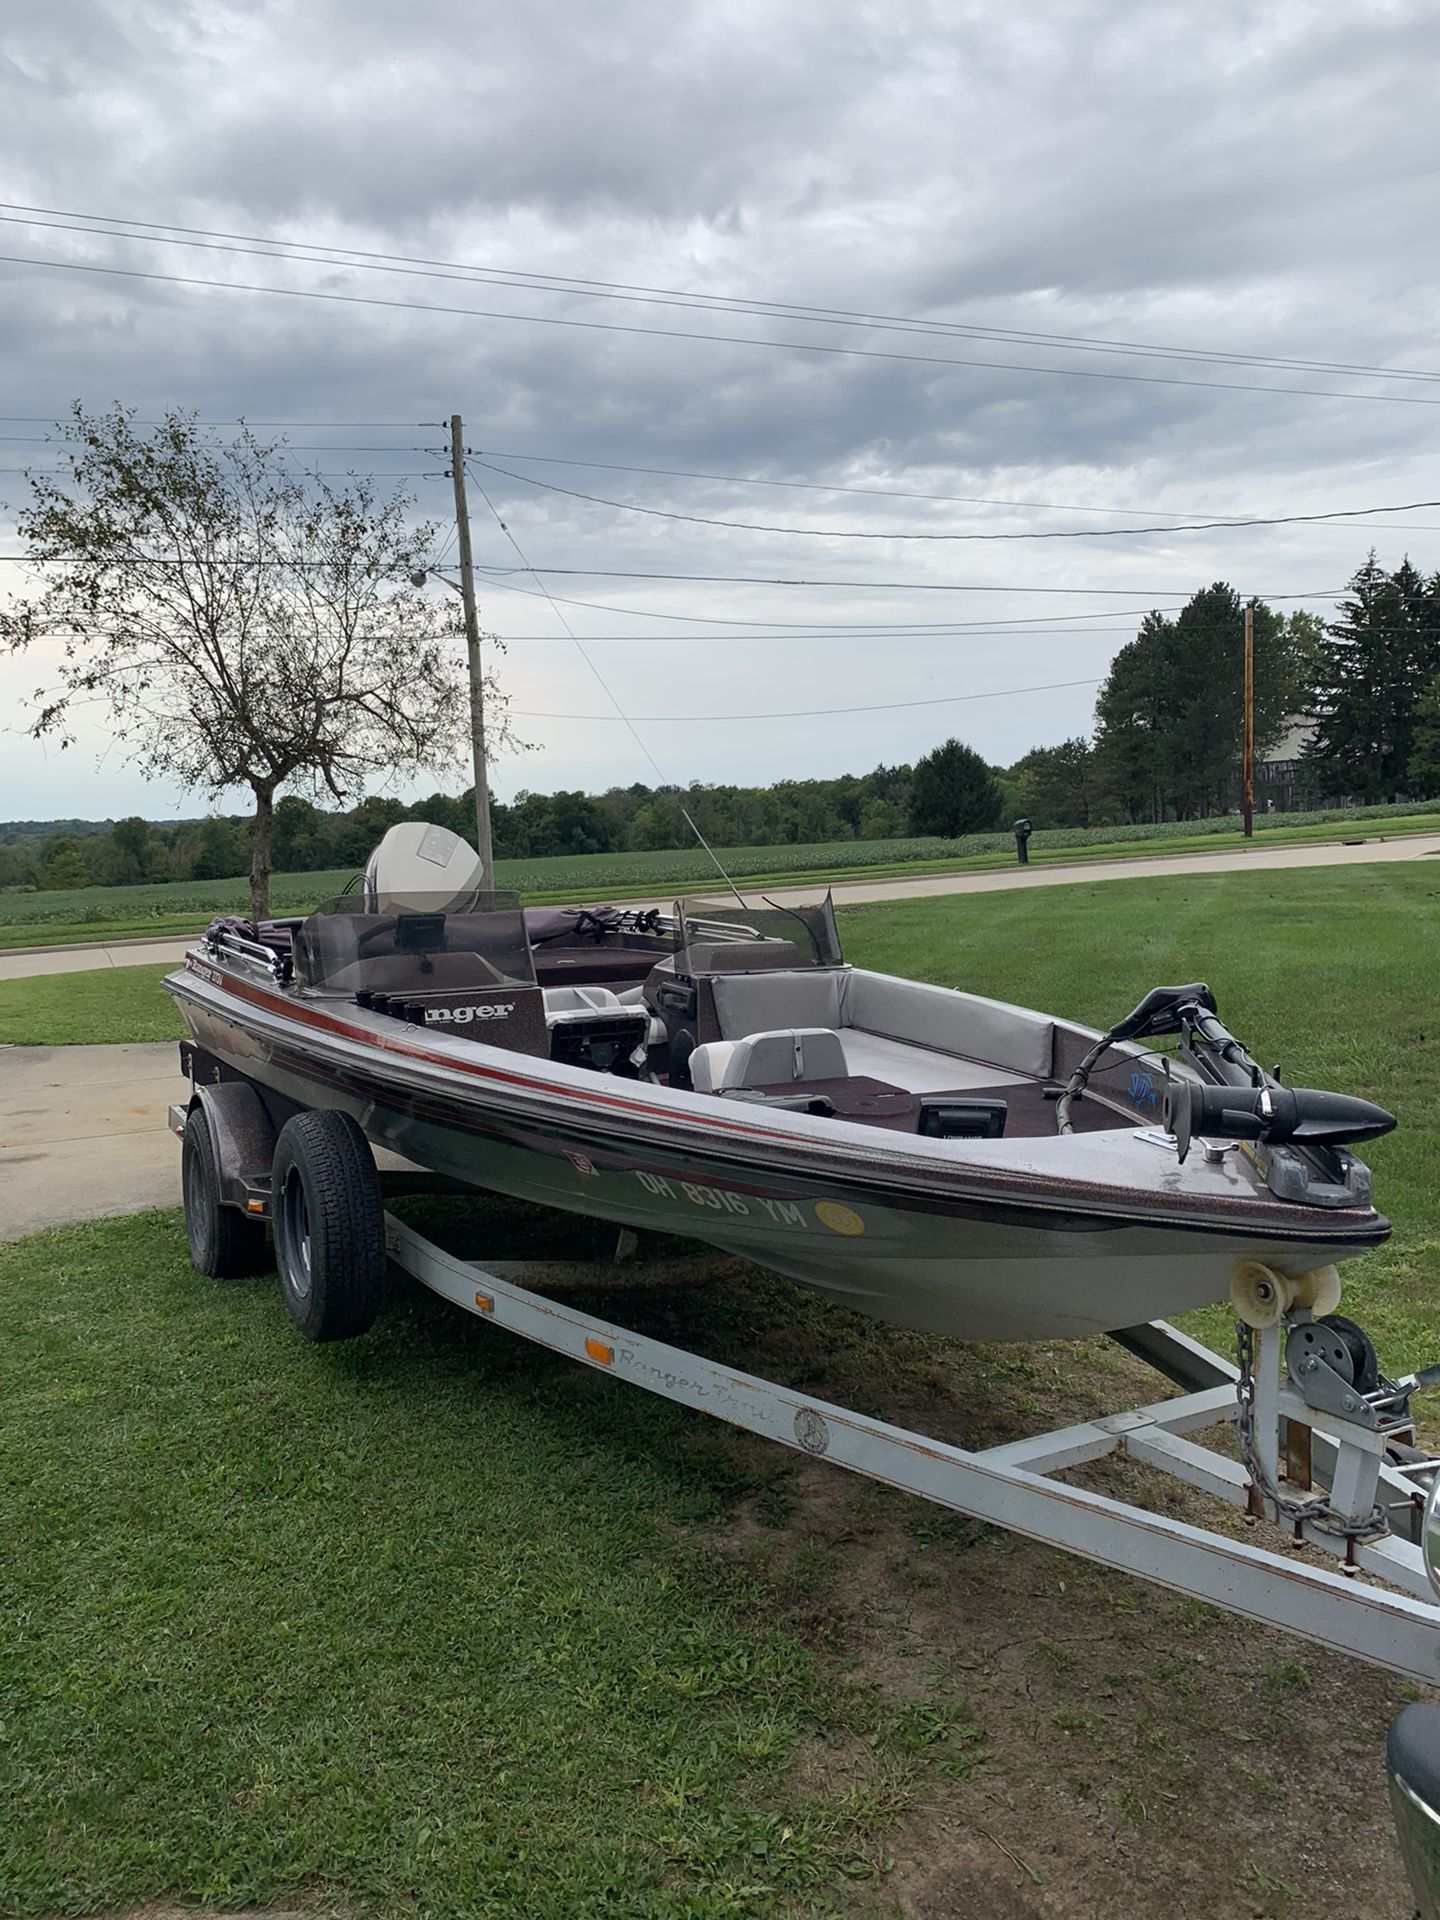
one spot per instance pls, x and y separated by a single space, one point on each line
467 968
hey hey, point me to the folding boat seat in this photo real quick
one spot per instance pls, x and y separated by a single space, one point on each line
589 1027
769 1059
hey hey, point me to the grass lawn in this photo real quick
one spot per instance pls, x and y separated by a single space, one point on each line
437 1624
427 1623
104 1005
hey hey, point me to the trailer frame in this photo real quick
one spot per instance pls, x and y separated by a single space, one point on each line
1308 1578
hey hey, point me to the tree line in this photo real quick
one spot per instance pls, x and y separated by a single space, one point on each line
308 838
1362 690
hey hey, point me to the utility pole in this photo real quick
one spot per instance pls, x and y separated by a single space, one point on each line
1248 770
483 844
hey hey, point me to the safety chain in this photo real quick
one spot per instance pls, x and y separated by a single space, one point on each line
1314 1509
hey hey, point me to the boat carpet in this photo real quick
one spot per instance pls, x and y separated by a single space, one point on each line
1029 1113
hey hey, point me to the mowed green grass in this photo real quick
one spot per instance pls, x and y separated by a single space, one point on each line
426 1624
95 1008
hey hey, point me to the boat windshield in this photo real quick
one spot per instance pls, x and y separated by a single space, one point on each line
475 940
721 936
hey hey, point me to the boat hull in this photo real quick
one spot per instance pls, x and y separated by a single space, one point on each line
937 1257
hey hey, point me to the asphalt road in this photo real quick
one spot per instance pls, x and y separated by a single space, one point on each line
26 963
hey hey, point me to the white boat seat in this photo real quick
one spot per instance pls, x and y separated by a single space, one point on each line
563 1000
635 997
769 1059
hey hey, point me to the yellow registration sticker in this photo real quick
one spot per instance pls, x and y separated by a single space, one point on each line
839 1218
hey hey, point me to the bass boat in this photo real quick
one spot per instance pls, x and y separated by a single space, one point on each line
925 1155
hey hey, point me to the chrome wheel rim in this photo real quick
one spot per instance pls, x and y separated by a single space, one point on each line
295 1230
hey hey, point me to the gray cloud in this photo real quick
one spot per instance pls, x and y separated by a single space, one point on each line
1256 182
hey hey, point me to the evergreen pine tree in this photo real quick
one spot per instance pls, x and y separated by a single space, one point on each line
954 791
1382 659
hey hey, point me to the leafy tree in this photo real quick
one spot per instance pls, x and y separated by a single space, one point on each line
219 853
1056 786
1170 715
1422 773
65 863
953 791
1370 682
136 848
244 625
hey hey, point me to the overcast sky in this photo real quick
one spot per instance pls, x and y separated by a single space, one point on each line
1230 179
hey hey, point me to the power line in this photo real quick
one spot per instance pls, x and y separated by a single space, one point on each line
1336 515
898 586
613 573
604 684
733 479
714 339
1060 533
320 253
832 486
59 442
1019 624
810 713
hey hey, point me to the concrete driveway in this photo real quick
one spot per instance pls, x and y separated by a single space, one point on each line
83 1134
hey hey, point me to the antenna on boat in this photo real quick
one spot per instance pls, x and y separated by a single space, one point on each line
605 686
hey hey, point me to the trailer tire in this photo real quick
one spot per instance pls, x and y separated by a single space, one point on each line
223 1243
329 1226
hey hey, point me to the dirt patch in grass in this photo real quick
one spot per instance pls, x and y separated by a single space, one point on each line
1097 1746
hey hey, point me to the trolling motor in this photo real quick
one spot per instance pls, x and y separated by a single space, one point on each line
1301 1130
1271 1113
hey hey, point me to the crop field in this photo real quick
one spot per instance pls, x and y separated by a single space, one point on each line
35 918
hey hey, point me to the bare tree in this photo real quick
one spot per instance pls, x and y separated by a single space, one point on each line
242 623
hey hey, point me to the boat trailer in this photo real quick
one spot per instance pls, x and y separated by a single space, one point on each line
1370 1521
1326 1468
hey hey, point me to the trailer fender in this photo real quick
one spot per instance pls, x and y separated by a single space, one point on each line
244 1139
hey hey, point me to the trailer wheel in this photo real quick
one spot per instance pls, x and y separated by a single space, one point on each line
329 1226
223 1242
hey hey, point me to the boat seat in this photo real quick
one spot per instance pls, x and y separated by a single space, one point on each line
900 1030
580 1000
769 1059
